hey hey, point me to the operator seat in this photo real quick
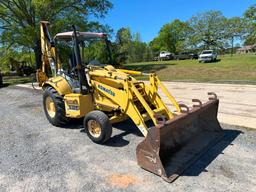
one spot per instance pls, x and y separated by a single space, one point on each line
74 83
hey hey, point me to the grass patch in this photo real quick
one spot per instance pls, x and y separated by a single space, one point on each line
13 80
236 69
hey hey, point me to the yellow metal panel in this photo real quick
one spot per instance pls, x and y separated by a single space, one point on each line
78 105
60 84
106 104
119 97
167 93
155 99
112 82
41 77
116 75
123 98
116 90
131 72
144 103
118 118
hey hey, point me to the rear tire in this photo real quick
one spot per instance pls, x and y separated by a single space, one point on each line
54 107
98 126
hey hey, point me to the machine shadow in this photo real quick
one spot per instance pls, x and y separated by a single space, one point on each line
127 127
74 124
200 165
5 85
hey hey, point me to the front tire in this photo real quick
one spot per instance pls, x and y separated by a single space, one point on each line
54 107
98 126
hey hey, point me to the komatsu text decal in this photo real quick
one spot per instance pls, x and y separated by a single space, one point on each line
109 91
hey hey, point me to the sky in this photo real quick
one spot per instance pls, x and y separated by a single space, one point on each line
148 16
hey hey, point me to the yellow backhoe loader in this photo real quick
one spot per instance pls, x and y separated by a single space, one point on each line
103 95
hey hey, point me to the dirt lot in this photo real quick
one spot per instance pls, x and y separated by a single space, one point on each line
237 102
36 156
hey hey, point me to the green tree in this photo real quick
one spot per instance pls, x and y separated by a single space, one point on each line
250 17
208 29
235 30
19 19
137 50
123 41
155 45
149 54
172 37
96 50
123 36
129 47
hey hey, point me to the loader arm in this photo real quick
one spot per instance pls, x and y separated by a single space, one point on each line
132 72
155 81
137 100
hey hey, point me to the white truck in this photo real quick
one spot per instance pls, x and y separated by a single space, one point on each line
165 55
207 55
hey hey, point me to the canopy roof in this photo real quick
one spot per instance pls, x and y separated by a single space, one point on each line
67 36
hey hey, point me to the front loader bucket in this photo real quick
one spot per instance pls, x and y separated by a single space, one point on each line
172 147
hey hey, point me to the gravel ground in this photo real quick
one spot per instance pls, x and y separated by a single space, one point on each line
36 156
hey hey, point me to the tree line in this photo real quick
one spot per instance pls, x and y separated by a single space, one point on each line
19 30
20 19
208 30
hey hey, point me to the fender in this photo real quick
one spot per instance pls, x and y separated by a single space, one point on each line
59 83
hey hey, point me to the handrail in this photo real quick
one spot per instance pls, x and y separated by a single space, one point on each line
167 93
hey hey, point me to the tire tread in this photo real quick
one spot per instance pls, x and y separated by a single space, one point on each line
60 118
103 119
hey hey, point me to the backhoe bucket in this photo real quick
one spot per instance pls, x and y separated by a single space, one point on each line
172 147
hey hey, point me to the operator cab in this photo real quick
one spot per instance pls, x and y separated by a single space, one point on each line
94 50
